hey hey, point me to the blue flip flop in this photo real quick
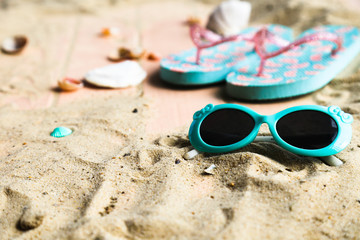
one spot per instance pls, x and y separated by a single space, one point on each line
221 56
298 70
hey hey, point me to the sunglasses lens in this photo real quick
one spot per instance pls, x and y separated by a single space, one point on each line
226 127
307 129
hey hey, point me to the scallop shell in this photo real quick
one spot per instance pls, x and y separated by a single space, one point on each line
61 132
229 17
70 84
120 75
13 45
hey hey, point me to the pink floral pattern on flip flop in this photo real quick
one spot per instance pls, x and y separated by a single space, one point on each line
223 56
245 78
290 74
297 64
316 57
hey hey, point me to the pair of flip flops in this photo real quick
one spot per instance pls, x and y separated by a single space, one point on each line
264 63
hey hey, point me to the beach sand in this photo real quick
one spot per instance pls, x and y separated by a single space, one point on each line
121 174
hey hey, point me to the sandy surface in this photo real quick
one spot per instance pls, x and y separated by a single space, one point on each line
121 174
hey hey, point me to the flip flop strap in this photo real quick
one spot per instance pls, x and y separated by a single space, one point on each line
203 38
260 36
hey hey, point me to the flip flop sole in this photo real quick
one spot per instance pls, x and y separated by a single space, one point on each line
299 71
193 78
215 62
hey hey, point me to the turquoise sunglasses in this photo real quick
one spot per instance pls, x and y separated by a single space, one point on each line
308 130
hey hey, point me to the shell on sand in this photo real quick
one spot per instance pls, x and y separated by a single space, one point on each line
124 53
153 56
120 75
210 169
70 84
110 31
61 132
229 17
127 53
13 45
192 21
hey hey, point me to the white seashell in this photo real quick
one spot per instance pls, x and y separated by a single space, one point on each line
13 45
229 17
210 170
120 75
332 161
191 154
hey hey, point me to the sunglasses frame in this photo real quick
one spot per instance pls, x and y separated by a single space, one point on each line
342 119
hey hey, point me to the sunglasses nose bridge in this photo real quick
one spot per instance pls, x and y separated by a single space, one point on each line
259 120
264 118
268 119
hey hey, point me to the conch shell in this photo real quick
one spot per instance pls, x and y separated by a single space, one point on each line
229 17
70 84
13 45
